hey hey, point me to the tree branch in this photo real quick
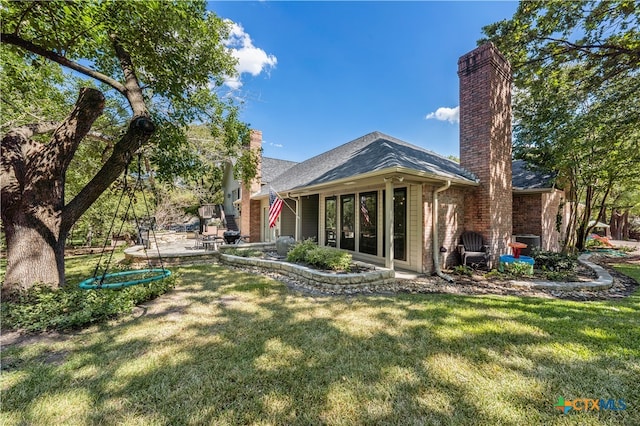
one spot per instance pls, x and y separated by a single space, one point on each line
589 48
138 133
53 56
67 137
132 92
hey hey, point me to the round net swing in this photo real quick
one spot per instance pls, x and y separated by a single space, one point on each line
125 278
115 280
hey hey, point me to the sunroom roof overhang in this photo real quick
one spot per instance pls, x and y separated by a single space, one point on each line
376 177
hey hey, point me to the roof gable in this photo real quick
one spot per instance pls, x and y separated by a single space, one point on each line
271 168
369 153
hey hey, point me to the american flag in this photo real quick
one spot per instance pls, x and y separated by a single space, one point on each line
275 207
365 211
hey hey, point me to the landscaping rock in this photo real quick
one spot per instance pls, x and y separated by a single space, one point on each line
284 244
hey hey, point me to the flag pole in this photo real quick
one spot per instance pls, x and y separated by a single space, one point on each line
295 212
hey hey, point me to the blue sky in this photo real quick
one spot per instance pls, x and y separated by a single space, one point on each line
314 75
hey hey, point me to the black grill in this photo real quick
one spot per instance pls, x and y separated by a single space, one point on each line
230 237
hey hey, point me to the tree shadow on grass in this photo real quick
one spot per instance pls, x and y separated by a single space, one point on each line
242 349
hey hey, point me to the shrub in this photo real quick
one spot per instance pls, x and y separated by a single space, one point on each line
298 252
560 276
329 258
552 261
594 244
244 252
463 270
43 308
517 269
309 252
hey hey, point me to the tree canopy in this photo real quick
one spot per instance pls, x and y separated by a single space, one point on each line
144 71
576 110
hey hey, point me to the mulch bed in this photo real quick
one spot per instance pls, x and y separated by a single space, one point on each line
622 287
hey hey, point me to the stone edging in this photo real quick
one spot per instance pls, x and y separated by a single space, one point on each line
137 254
371 281
603 282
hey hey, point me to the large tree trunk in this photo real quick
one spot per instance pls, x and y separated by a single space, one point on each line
32 174
33 177
35 251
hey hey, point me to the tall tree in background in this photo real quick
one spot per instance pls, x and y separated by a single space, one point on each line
576 109
154 63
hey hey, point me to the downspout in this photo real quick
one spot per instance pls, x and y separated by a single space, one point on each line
434 233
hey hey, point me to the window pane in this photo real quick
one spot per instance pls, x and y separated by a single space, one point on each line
369 223
400 224
347 225
330 221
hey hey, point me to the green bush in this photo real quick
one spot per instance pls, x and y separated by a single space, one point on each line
552 261
463 270
329 258
42 308
517 269
298 252
594 244
560 276
244 252
321 257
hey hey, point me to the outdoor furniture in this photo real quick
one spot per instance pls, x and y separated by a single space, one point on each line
517 248
212 242
472 249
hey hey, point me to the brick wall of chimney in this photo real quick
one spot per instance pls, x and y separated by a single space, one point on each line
248 211
485 143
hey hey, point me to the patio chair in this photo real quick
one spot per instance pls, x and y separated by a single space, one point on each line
473 250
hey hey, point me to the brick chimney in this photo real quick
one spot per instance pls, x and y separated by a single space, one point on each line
485 143
250 210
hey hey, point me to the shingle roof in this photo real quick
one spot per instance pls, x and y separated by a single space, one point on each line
272 168
526 176
369 153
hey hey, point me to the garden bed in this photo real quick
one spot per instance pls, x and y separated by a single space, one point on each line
367 279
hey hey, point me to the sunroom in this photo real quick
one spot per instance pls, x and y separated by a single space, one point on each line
366 196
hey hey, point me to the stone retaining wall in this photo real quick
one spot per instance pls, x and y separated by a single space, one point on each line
376 280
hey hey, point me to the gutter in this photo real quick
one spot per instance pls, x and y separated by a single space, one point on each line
434 232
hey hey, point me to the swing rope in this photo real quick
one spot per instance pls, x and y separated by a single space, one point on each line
160 273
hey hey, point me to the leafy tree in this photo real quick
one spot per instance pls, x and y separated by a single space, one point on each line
148 70
576 107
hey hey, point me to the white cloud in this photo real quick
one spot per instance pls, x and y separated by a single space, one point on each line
275 145
251 59
452 115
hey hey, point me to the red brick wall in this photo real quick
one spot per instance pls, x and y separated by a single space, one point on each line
485 143
255 222
536 214
245 223
527 210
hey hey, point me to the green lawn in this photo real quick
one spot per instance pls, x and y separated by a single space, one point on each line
230 348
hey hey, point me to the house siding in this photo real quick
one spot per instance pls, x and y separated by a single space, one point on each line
415 231
288 218
309 215
451 220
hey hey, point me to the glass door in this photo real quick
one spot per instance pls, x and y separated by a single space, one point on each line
368 223
330 223
400 224
347 222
